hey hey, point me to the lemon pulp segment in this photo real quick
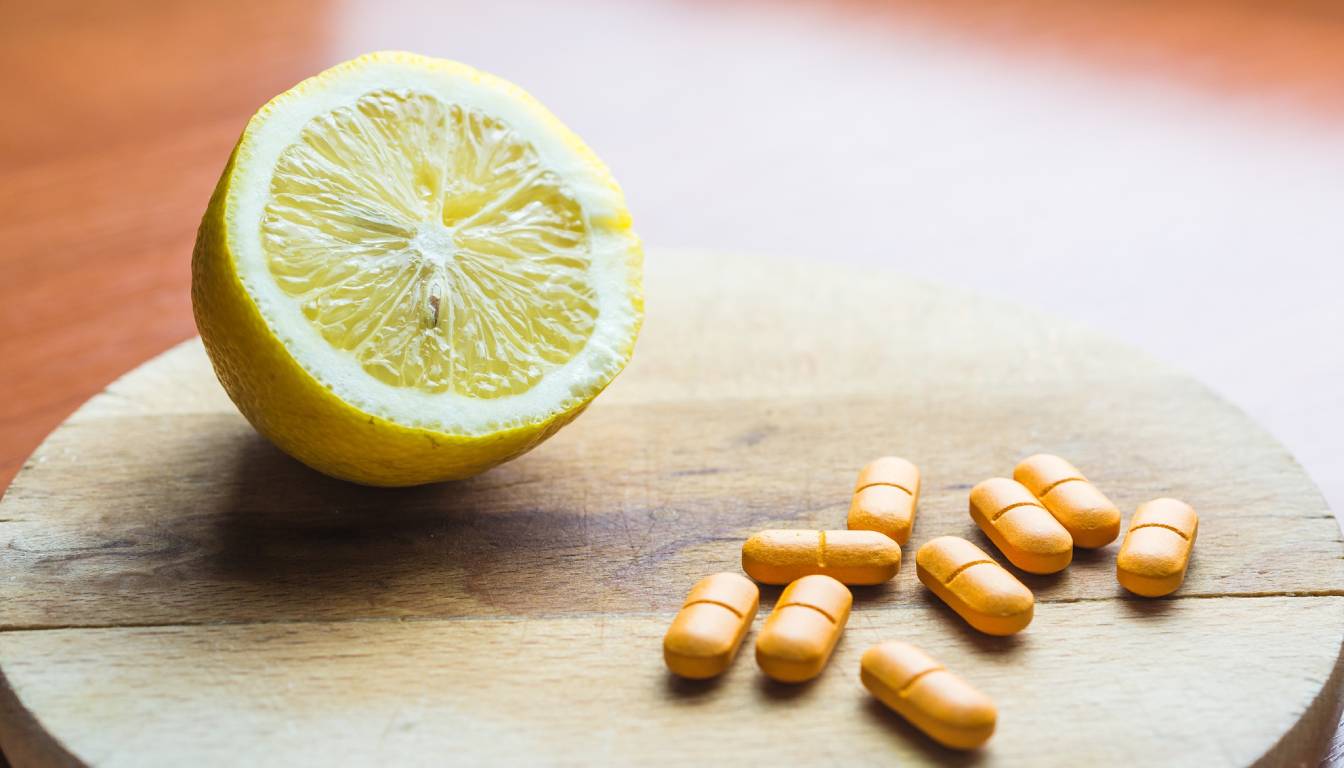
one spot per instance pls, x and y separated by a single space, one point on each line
428 241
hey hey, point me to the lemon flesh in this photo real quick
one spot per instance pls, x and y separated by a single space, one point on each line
430 242
410 272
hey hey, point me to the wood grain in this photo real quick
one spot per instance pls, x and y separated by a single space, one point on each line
591 689
123 111
175 590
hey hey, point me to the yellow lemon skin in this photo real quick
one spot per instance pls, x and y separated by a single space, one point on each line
301 415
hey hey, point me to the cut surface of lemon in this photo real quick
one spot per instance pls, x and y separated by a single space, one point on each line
411 271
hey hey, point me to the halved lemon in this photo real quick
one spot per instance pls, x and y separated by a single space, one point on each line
410 271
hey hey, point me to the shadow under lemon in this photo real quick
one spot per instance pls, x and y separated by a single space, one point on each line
331 547
531 537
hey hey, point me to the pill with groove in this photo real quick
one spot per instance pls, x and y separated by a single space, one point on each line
1029 536
705 635
853 557
980 590
939 703
1156 550
885 498
799 634
1091 519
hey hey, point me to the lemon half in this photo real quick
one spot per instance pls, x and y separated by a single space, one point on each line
410 271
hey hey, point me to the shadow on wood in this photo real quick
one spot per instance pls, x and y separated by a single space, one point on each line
958 625
678 687
510 542
931 751
774 691
452 548
1147 607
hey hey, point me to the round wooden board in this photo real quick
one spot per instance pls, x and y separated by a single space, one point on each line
177 592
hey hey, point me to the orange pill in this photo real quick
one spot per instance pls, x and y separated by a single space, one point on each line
705 635
853 557
798 636
885 498
1029 536
1156 551
980 590
919 689
1091 519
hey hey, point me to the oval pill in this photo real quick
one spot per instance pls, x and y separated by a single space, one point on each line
1028 535
885 498
852 557
1156 551
1091 519
705 635
934 700
799 634
980 590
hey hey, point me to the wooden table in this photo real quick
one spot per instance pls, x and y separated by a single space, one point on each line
177 591
128 111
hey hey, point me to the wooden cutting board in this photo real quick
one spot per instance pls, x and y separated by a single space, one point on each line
175 591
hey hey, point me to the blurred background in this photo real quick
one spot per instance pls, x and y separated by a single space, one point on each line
1169 172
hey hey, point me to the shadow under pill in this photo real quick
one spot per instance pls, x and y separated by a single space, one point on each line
982 641
930 751
1092 558
769 596
1040 584
678 687
1146 607
773 690
874 593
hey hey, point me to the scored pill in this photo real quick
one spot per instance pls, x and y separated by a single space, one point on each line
1156 551
885 498
705 635
852 557
980 590
799 635
1029 536
1090 518
934 700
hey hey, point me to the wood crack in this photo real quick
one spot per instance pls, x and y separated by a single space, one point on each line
581 614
